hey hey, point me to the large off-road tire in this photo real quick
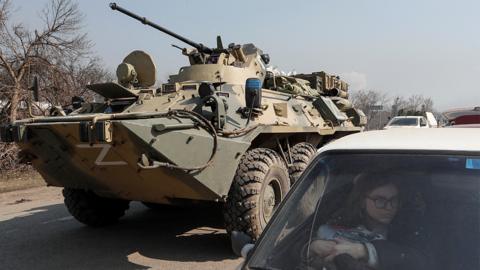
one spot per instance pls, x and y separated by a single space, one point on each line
260 183
93 210
302 154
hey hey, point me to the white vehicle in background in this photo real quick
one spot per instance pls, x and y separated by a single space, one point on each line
408 122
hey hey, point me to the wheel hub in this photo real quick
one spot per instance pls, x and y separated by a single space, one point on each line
269 201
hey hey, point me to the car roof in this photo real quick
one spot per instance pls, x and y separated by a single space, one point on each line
442 139
452 114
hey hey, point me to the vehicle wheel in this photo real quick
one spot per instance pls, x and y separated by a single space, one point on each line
260 183
302 154
93 210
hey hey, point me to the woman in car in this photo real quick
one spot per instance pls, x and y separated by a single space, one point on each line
368 232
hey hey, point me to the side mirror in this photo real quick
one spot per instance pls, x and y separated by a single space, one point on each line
242 244
34 88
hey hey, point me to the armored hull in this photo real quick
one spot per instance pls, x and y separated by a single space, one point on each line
61 150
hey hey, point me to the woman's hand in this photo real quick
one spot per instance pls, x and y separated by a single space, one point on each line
342 246
322 248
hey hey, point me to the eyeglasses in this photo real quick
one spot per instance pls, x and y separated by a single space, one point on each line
383 203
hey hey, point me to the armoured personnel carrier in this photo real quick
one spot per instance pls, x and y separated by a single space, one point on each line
218 131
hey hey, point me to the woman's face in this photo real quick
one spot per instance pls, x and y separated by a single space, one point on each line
382 203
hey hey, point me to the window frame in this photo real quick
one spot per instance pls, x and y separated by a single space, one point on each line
322 154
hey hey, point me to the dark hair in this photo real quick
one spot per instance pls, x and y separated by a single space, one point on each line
353 211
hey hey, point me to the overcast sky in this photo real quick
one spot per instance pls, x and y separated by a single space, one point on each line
398 47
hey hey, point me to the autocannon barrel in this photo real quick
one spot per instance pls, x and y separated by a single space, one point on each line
200 47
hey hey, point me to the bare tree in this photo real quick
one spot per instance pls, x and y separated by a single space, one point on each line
427 105
56 53
373 104
368 100
70 79
414 105
23 50
379 108
398 104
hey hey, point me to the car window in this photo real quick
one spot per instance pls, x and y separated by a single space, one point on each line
379 211
296 216
404 122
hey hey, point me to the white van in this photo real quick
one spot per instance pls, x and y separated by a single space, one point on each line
407 122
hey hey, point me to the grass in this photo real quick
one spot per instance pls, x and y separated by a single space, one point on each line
12 181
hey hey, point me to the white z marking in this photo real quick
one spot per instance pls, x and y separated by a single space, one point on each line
103 153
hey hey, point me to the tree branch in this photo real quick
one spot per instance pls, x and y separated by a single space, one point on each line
7 66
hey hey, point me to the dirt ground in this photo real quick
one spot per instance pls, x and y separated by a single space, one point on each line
37 232
35 223
20 180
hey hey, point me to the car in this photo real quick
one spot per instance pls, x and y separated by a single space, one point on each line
463 116
409 199
407 122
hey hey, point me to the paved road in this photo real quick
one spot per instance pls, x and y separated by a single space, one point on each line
37 232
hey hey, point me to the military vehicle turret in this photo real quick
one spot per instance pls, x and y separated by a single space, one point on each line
218 131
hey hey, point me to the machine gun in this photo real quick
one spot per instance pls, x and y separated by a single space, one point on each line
202 54
199 46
